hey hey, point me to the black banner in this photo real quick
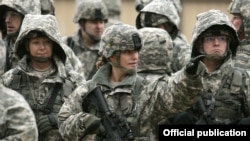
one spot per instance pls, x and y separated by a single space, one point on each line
202 132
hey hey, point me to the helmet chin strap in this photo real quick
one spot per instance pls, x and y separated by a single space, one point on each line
125 70
40 59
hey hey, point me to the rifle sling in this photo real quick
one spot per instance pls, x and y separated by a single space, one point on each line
49 106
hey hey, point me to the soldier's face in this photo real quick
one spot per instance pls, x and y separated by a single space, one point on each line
129 59
215 46
40 47
94 28
236 21
13 21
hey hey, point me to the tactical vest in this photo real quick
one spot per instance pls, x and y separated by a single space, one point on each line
133 115
20 83
229 102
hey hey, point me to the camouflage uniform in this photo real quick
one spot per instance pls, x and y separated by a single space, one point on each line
156 56
242 58
23 7
140 4
17 121
47 7
87 10
2 56
226 96
125 99
30 7
163 12
157 52
37 88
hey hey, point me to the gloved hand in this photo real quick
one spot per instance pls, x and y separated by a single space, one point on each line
93 124
47 122
192 66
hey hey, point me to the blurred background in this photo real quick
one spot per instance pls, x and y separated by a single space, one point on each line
65 10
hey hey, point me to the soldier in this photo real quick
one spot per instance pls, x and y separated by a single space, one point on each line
91 16
12 13
162 14
129 98
41 76
241 22
18 125
17 121
114 11
225 97
47 7
156 54
140 4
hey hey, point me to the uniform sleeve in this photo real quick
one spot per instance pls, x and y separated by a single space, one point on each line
176 93
182 51
17 121
71 116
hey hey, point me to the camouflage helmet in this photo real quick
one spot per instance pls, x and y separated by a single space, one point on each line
234 6
47 7
47 25
140 4
117 37
213 22
113 6
245 13
157 51
21 6
158 12
91 10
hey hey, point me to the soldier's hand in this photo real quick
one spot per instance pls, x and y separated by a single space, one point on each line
93 124
47 122
192 66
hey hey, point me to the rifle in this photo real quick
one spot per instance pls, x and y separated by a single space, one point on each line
204 120
116 128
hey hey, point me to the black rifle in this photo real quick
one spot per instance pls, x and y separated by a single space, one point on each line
204 120
116 128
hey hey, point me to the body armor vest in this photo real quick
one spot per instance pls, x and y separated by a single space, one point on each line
21 84
229 102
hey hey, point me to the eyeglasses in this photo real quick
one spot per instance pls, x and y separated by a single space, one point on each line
211 39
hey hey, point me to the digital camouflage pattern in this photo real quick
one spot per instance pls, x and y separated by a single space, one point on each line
2 56
114 11
139 4
47 7
122 39
225 87
156 55
44 23
128 98
64 52
37 89
114 7
17 121
86 9
208 19
159 7
90 9
23 7
162 12
241 7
